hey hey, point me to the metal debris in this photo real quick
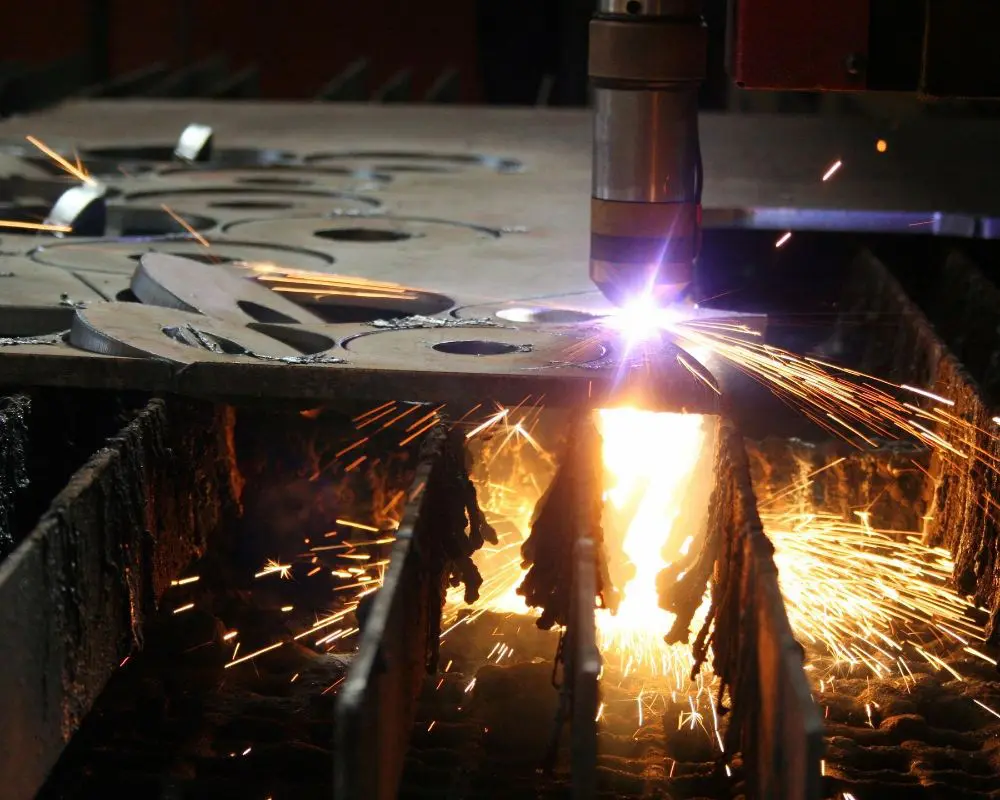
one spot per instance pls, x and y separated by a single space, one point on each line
188 334
82 208
314 358
69 302
191 336
194 143
12 341
462 527
420 321
14 411
569 510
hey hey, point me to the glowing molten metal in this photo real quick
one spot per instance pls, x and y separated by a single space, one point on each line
650 460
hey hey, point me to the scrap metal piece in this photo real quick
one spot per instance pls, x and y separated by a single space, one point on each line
194 143
422 322
187 285
12 341
570 509
83 209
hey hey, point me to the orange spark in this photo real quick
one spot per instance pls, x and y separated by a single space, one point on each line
35 226
185 225
832 170
250 656
76 172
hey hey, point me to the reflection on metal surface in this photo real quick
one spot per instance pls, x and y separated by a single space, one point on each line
805 219
545 316
346 298
175 282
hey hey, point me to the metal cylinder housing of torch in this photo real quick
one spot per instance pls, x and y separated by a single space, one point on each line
647 60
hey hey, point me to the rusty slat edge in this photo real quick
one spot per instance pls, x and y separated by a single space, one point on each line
74 594
375 708
956 518
13 462
586 667
779 729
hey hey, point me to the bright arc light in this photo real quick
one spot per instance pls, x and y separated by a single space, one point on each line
649 458
643 319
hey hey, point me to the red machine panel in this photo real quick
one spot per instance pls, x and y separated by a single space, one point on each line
805 45
299 50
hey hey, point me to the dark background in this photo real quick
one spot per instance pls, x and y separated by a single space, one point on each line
471 51
524 52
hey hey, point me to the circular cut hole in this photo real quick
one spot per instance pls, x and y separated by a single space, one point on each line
363 235
122 221
545 316
137 221
126 296
264 313
207 258
476 347
252 205
97 167
633 7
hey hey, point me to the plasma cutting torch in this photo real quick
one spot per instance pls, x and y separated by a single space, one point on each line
649 57
647 61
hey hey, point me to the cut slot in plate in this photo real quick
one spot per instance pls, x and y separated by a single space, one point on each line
257 201
122 221
384 247
121 257
348 298
164 154
391 161
272 176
